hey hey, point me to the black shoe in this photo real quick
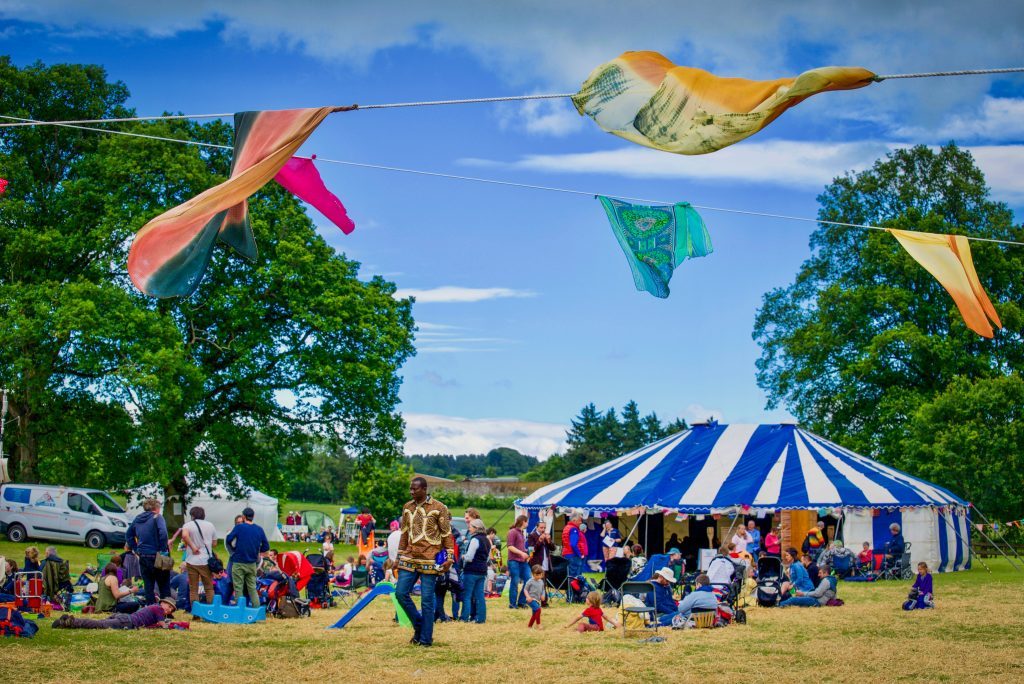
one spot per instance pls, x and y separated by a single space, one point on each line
415 641
424 644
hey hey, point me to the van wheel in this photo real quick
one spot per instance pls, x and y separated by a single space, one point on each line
16 533
95 540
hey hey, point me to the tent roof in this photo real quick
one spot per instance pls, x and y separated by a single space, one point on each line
712 468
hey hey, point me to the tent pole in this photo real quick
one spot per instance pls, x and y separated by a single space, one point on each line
732 526
990 541
956 533
626 541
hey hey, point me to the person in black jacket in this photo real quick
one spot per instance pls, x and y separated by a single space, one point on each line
147 537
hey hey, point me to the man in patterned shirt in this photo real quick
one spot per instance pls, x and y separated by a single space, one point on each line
426 529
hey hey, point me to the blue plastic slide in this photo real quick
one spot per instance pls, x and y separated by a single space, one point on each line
382 589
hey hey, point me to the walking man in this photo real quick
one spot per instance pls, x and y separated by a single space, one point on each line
199 537
426 530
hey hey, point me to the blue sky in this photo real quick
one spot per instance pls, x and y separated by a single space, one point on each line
526 306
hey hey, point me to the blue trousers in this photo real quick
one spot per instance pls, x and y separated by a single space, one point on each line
518 576
800 601
473 602
423 628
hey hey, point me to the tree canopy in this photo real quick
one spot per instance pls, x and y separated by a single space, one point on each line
112 388
867 348
597 437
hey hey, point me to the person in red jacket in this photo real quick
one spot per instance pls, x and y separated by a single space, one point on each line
574 545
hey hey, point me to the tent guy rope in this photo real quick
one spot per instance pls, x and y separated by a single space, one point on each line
528 186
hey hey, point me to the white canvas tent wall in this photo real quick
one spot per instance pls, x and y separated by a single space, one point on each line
220 508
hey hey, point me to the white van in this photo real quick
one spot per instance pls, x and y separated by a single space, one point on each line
54 513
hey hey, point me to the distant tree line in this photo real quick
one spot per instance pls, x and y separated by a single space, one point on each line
599 436
499 462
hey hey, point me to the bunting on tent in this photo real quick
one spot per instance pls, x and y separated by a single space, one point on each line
948 259
170 253
656 240
646 99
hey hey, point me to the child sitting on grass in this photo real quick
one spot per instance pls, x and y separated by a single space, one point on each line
595 616
921 593
535 594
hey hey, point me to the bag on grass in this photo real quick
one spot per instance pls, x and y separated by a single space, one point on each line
836 602
13 624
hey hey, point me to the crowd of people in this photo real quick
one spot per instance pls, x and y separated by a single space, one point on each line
461 571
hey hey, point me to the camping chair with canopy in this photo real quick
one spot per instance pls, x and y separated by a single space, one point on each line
616 572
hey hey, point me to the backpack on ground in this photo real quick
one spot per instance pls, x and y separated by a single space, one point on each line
13 624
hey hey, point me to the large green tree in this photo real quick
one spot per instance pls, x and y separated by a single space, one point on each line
864 337
219 384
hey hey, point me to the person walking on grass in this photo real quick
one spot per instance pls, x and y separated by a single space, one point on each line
536 595
247 543
426 531
199 537
518 565
147 538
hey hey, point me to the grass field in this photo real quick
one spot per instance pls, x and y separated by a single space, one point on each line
973 635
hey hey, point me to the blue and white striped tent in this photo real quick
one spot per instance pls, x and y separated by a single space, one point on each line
760 469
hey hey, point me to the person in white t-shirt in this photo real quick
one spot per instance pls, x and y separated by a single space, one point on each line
721 569
199 537
393 541
741 539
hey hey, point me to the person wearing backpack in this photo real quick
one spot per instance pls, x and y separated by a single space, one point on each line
200 537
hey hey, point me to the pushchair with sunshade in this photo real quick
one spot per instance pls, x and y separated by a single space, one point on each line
318 588
769 581
729 595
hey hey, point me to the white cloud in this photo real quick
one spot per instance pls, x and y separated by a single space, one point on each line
555 118
696 413
787 163
447 294
437 380
434 434
777 162
536 43
995 119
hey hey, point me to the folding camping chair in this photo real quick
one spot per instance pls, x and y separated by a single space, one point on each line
647 613
557 579
616 572
654 564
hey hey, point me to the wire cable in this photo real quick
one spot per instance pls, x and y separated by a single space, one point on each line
529 186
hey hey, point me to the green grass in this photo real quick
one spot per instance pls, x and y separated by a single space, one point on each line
973 635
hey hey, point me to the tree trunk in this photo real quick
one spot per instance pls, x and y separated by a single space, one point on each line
175 501
24 463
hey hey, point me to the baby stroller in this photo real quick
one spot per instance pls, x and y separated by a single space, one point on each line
318 589
283 600
729 597
769 581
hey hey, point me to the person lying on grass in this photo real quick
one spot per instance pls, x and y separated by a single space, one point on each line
595 616
144 617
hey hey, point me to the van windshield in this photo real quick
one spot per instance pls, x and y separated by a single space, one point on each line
103 500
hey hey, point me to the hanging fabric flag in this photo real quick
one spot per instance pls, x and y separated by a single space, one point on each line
3 185
645 98
948 259
656 240
170 253
300 177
